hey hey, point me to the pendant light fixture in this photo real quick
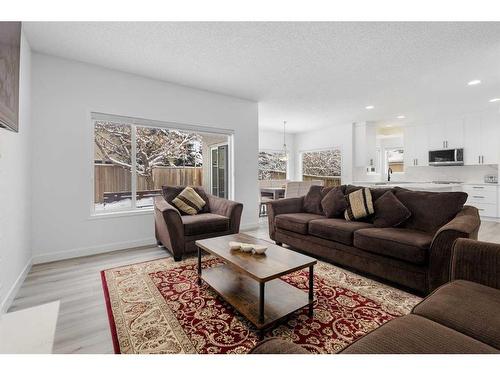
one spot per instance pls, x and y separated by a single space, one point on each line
284 157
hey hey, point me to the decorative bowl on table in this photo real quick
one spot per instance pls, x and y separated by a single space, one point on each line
247 247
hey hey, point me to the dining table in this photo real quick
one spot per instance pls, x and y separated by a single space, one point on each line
277 192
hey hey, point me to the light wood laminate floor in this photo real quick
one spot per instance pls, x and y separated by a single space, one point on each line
83 326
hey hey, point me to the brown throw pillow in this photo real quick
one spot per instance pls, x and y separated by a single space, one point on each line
312 200
334 203
360 204
189 201
389 211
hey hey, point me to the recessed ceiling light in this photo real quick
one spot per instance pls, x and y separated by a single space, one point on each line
369 107
474 82
401 116
494 100
388 126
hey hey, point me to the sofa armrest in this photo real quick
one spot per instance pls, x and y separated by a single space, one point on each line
169 229
227 208
278 346
464 225
282 206
476 261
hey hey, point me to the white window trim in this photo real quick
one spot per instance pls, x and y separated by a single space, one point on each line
134 123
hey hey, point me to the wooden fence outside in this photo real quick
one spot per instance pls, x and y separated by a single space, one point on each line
328 181
109 178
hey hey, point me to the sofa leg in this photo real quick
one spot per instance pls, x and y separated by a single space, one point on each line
279 243
158 242
177 258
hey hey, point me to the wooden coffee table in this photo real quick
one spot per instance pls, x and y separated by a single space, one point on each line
250 282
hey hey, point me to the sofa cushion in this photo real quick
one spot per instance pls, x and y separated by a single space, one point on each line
430 210
204 223
413 334
297 222
360 204
389 211
334 202
400 243
312 200
338 230
467 307
171 192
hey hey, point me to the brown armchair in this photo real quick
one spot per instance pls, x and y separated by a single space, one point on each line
178 232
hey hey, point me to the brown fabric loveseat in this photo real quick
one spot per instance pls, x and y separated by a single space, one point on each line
415 254
178 232
460 317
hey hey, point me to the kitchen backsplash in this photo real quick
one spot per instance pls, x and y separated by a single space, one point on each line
468 173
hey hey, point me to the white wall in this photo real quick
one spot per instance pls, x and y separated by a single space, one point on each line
64 94
15 192
340 136
273 141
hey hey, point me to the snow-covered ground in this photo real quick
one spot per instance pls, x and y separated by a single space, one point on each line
123 205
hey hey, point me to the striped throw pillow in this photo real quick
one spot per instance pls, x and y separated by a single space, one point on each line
360 205
189 201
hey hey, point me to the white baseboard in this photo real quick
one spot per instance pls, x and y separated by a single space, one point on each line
11 294
251 226
85 251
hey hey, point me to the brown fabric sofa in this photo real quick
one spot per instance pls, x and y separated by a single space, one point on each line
178 232
415 255
460 317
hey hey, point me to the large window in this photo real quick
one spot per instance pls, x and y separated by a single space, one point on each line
395 159
132 162
322 165
272 165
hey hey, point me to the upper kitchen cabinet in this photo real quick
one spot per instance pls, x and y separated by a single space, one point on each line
481 138
416 152
365 149
447 134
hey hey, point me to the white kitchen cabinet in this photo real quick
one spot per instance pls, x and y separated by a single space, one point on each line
365 149
448 133
416 151
484 197
490 124
481 138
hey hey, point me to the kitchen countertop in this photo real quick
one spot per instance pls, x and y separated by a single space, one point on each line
414 185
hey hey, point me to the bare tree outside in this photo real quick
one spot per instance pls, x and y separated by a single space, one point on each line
155 147
272 165
323 165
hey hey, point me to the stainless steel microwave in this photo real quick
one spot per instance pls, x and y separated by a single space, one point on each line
450 156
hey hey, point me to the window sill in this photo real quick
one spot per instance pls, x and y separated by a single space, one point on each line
125 213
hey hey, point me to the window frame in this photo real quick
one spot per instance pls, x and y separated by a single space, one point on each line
139 122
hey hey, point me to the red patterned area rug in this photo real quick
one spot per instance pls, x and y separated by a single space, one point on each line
158 307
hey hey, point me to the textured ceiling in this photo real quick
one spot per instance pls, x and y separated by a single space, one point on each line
313 75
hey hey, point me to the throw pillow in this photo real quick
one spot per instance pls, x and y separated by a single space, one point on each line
389 211
360 204
312 200
189 201
334 203
171 192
